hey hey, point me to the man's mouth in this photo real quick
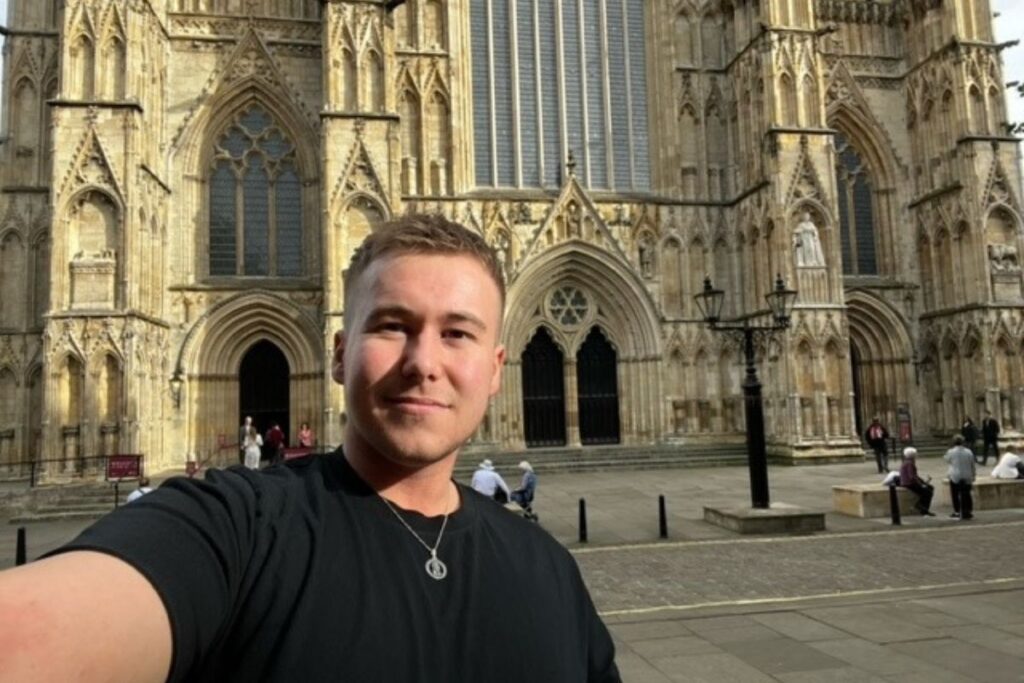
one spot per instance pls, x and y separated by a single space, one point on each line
417 404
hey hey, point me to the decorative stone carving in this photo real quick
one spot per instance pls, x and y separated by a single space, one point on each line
1003 258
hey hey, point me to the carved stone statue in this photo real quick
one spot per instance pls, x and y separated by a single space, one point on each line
646 253
807 245
1003 258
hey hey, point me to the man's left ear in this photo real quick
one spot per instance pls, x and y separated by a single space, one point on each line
338 359
499 363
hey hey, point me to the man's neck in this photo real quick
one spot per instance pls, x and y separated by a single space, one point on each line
428 489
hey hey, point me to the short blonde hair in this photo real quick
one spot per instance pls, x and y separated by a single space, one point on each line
421 234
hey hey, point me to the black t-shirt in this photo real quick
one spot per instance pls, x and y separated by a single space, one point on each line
301 573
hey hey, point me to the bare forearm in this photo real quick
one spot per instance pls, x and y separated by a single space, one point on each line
82 616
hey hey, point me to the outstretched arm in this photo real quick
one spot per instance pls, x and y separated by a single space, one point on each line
82 616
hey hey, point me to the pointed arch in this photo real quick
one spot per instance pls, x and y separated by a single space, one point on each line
880 341
622 299
13 277
671 277
440 140
252 150
372 81
412 142
866 180
82 66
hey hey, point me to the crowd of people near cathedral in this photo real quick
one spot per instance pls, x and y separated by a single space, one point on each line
962 460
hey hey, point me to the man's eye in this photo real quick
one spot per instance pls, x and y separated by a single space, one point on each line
458 334
392 326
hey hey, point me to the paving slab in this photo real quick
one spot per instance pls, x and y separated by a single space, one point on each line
971 661
799 627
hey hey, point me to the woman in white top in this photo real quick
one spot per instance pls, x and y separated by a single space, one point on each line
1009 467
252 444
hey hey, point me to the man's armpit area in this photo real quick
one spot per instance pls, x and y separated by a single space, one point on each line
82 616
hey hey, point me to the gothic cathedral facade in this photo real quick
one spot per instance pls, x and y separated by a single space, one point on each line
184 181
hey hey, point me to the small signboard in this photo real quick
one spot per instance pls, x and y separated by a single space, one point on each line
903 418
124 466
296 452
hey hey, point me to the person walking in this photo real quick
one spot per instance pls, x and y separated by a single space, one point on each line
989 437
961 478
243 432
489 483
910 479
969 431
275 443
877 437
252 445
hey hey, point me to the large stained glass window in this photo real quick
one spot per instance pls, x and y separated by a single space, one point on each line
557 76
856 211
255 200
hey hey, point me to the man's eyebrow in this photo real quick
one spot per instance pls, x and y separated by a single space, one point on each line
466 317
399 311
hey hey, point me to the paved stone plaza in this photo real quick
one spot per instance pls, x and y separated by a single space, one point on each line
935 600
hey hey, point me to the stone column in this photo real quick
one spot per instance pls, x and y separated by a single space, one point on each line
572 404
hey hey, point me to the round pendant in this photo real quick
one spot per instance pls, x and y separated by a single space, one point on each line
436 568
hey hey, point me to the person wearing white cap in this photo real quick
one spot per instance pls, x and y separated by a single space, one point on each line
527 488
910 479
489 482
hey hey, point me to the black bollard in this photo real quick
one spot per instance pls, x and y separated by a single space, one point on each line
894 505
662 519
583 521
19 553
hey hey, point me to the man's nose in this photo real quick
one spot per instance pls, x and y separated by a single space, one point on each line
422 356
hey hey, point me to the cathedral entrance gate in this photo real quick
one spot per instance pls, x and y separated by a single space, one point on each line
263 387
598 390
543 392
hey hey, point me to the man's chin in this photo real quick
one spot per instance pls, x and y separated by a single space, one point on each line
417 457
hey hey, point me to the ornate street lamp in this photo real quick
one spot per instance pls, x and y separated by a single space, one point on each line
176 382
781 301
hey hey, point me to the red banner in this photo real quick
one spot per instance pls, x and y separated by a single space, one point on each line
124 466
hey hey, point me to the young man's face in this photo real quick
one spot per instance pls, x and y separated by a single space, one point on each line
419 357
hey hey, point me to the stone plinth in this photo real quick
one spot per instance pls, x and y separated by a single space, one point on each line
869 500
779 518
989 493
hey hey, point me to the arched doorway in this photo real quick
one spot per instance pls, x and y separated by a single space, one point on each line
543 392
880 361
263 384
598 390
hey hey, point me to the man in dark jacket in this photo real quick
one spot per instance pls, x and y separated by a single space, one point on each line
990 437
877 437
969 431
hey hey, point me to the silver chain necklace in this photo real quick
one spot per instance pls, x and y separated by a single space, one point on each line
436 569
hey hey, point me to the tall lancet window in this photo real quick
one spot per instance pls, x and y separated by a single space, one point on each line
856 211
255 200
554 76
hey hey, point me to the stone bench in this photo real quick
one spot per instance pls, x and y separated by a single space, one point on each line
990 494
869 500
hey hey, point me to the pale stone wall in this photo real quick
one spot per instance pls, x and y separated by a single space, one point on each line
112 108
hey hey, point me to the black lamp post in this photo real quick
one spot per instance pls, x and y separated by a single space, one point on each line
780 301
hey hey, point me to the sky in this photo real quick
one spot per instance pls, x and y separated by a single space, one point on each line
1009 26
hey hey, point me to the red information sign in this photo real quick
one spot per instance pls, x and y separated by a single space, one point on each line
296 452
124 466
